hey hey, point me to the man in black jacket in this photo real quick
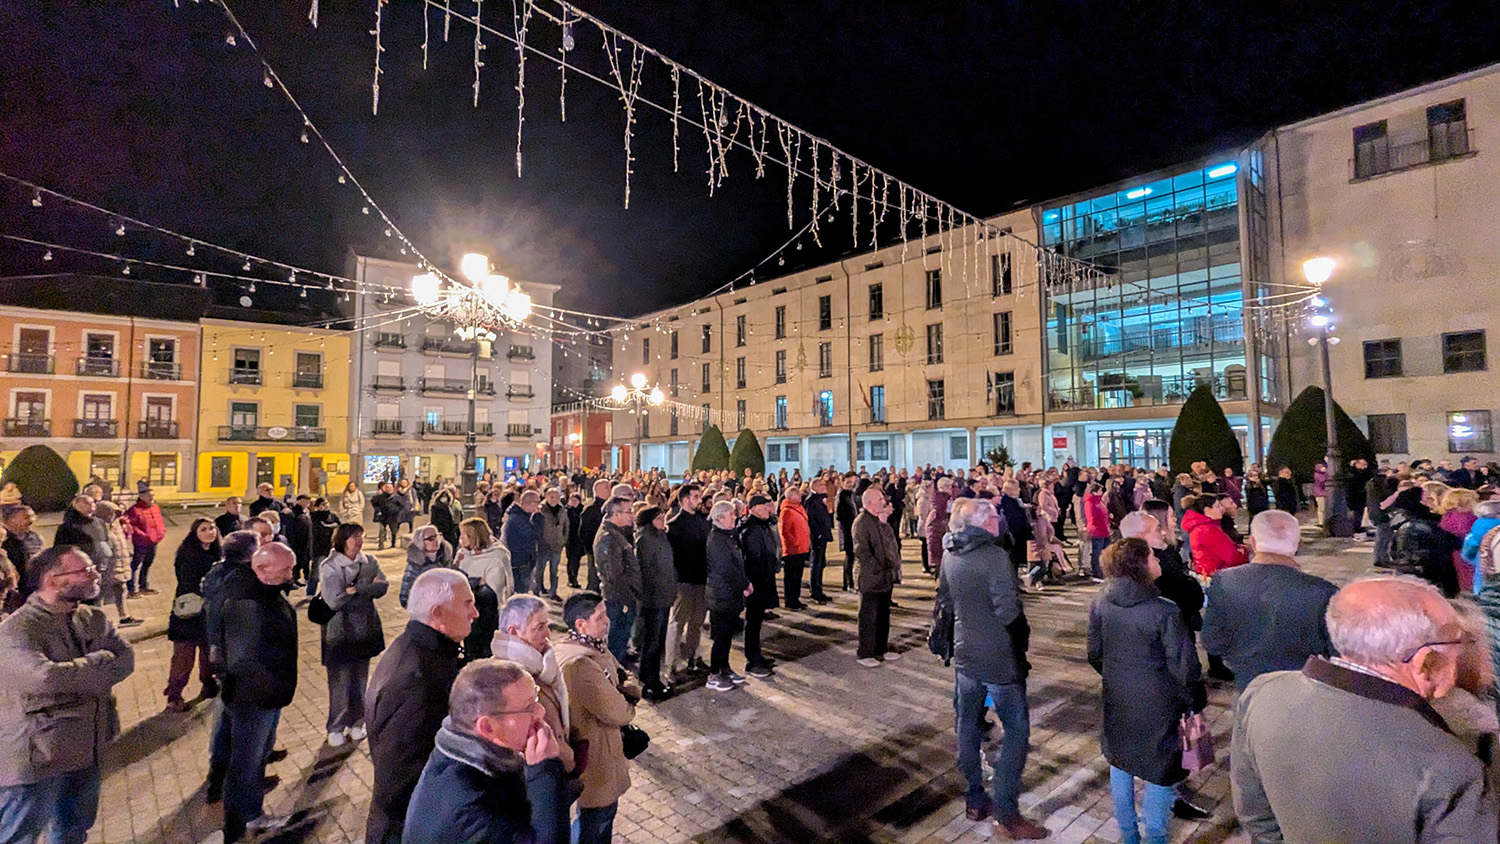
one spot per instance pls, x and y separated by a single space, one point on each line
820 528
409 694
296 528
260 665
688 533
229 521
725 593
265 500
82 530
990 637
762 559
593 516
847 510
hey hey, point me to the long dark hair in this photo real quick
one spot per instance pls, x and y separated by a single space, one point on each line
191 541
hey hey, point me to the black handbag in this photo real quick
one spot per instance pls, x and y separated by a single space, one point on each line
635 740
318 611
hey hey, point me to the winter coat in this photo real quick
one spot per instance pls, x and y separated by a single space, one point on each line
352 507
619 570
147 526
1095 516
493 584
1471 546
1257 497
261 505
446 514
762 561
1420 546
552 690
688 533
1266 617
193 561
57 712
355 632
876 554
935 526
521 534
1459 523
1015 522
593 516
418 563
653 553
260 643
597 709
296 529
399 507
406 704
493 513
725 576
324 523
553 522
1284 491
116 569
577 547
1179 586
1138 644
382 509
1212 549
475 792
819 520
86 533
978 582
796 534
228 523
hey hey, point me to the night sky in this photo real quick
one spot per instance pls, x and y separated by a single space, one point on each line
144 108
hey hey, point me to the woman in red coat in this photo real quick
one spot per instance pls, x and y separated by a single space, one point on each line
1211 547
1096 523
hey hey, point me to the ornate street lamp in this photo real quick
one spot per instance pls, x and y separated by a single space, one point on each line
1336 518
636 397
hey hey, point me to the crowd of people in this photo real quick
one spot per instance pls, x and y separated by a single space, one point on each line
485 725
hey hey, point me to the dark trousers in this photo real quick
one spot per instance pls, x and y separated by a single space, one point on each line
140 567
183 655
819 562
621 623
926 566
874 624
848 557
388 527
574 561
302 570
521 578
653 625
755 618
721 628
792 572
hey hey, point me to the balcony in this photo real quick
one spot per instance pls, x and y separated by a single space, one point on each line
444 346
388 383
99 366
275 433
516 353
519 391
161 370
308 380
156 429
34 364
96 428
520 431
28 427
1441 144
438 430
386 428
445 386
1142 391
872 416
240 375
389 340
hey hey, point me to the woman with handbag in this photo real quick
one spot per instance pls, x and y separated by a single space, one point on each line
349 582
1139 645
186 630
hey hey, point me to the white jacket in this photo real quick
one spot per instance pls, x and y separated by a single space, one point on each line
491 565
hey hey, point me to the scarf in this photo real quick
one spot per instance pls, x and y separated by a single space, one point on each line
542 667
490 759
584 638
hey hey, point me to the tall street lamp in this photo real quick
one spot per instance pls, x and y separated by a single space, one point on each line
637 398
1337 520
474 311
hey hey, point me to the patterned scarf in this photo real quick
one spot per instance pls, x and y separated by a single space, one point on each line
584 638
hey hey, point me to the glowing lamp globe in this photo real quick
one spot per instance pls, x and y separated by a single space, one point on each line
638 380
474 266
493 288
517 306
618 393
657 397
425 289
1318 270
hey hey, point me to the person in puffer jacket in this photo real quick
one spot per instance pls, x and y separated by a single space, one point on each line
1487 518
1212 548
427 550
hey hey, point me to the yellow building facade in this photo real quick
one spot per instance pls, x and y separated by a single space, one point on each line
273 408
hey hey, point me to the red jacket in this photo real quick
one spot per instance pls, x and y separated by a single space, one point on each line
1212 548
1095 516
795 536
147 527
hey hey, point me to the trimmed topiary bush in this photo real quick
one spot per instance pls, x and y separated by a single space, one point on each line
1301 439
43 477
747 454
1202 433
713 453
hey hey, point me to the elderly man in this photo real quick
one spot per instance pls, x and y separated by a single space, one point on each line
687 531
551 540
727 588
229 521
61 659
593 516
82 530
762 553
878 567
409 694
820 529
990 636
1349 748
493 774
265 499
1269 615
619 573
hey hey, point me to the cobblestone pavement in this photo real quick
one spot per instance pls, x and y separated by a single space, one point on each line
824 751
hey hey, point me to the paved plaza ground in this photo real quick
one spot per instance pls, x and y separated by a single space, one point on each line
824 751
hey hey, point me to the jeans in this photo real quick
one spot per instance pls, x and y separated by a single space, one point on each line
755 618
595 826
521 578
621 620
819 562
791 567
346 694
1383 537
546 563
685 628
721 628
1097 544
250 734
874 624
1015 718
1156 808
848 556
653 642
140 567
183 654
219 744
62 807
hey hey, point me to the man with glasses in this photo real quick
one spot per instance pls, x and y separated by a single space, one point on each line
61 659
1349 748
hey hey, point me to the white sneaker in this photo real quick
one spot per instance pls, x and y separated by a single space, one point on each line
265 822
337 738
357 733
891 656
870 662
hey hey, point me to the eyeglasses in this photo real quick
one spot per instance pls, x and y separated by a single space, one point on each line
432 539
88 570
531 708
1462 640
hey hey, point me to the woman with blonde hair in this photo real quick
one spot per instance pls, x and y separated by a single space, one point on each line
352 504
486 562
1456 511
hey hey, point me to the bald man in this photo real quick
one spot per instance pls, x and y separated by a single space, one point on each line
877 560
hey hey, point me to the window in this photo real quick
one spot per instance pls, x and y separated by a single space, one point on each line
825 407
780 413
307 415
1372 150
645 351
1004 386
106 465
825 360
161 359
707 411
246 367
934 288
739 414
958 447
781 366
309 372
877 404
792 452
1001 281
825 313
1388 433
936 406
1463 351
98 355
708 339
98 406
1447 131
781 322
218 471
935 343
877 352
244 414
1469 431
773 452
1002 333
708 382
880 450
877 301
674 344
162 470
672 384
1382 358
739 373
672 423
739 330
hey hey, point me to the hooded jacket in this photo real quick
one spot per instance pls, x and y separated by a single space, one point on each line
762 561
726 580
418 563
521 532
796 533
1212 548
990 632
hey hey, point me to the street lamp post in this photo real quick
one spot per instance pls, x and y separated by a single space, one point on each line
637 398
1336 517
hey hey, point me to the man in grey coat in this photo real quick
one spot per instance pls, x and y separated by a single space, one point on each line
990 637
877 560
1350 748
61 659
619 573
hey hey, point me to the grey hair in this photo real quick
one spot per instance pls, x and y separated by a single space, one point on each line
719 509
518 610
969 512
1133 526
944 484
617 505
1276 532
1488 509
1384 631
480 688
432 589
